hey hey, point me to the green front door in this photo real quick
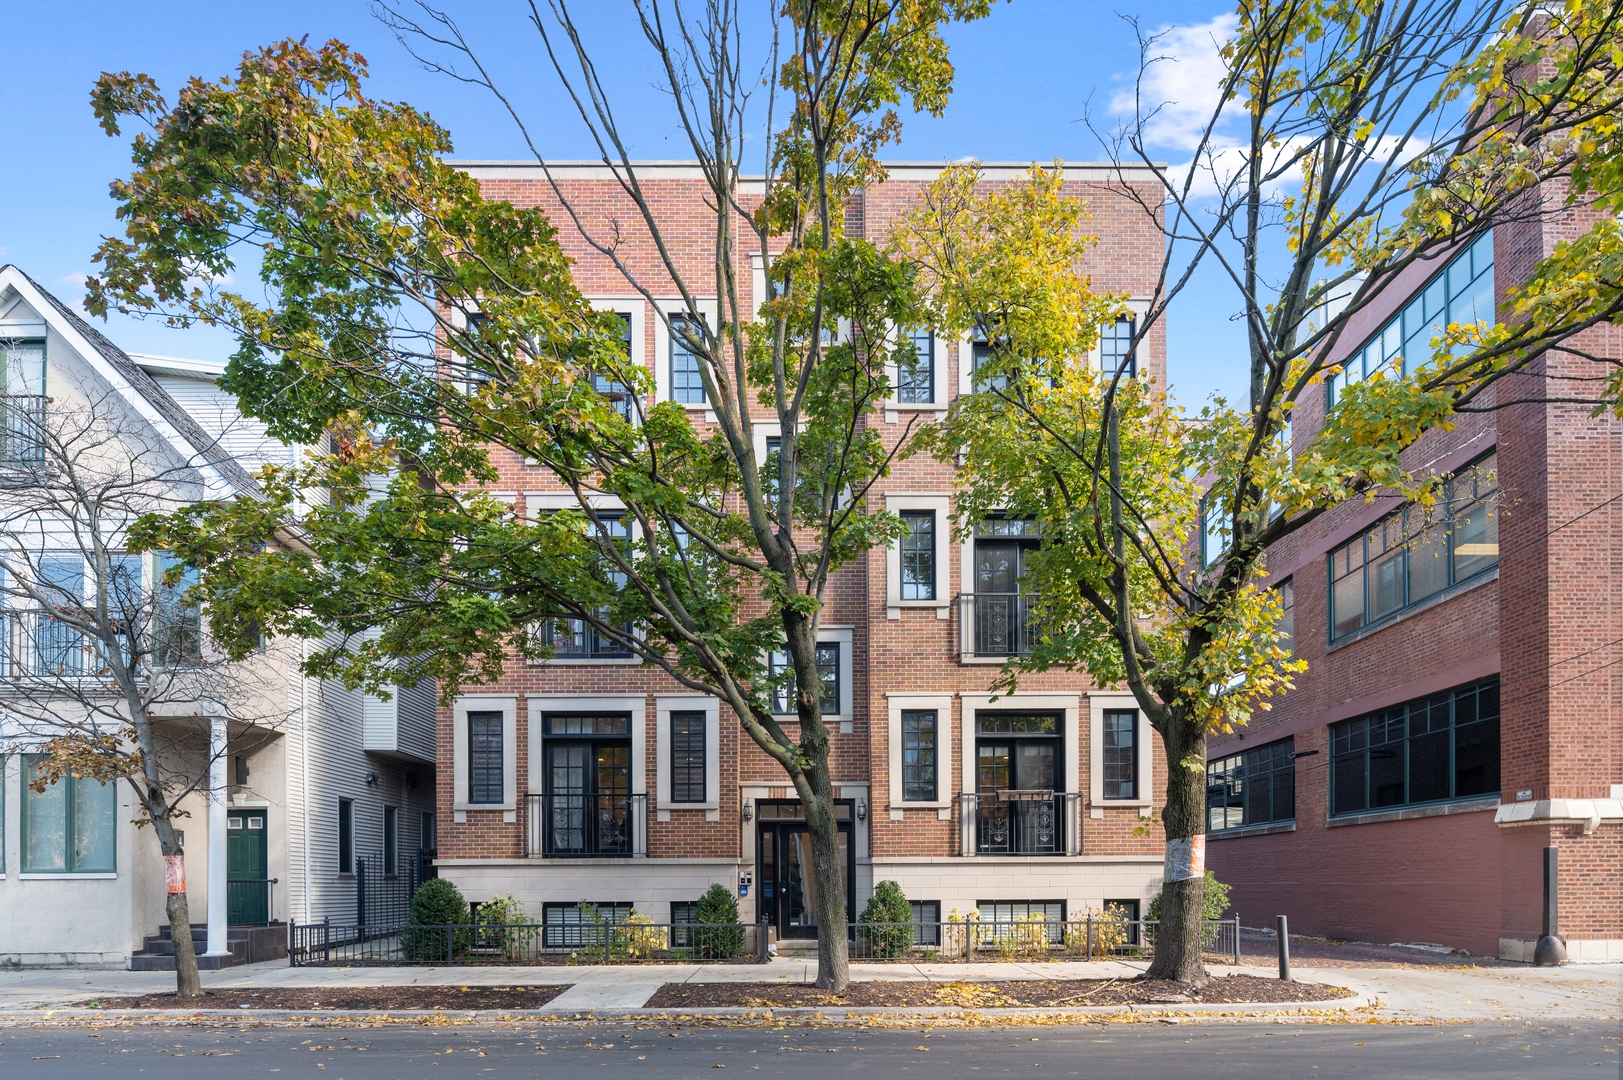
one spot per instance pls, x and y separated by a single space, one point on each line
246 869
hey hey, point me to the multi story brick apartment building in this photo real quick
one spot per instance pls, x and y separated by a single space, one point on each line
591 777
1463 704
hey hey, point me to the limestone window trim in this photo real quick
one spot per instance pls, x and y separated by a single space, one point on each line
635 704
937 406
941 506
843 636
664 706
1098 705
667 307
941 704
507 705
1067 704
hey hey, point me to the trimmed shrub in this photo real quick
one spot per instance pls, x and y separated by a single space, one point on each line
718 935
887 921
437 903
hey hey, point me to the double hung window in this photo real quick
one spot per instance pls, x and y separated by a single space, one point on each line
616 390
486 757
915 377
1120 754
918 555
1116 348
687 382
920 746
346 836
688 757
782 673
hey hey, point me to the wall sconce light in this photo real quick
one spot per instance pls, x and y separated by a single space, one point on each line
862 809
749 810
371 779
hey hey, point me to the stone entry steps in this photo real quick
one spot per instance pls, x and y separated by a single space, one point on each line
248 945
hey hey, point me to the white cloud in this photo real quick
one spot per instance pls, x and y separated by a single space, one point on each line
72 279
1180 87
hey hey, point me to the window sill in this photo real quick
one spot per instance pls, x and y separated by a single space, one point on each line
1409 612
64 875
1253 830
1464 806
484 806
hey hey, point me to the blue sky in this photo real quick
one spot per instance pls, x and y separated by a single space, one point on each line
1025 77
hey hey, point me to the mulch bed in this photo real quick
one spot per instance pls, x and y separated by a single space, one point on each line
322 998
1047 993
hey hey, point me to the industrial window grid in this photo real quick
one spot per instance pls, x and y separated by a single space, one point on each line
920 733
1435 749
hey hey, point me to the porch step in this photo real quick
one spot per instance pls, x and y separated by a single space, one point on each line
797 946
247 945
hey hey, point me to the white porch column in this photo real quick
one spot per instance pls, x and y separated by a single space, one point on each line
217 856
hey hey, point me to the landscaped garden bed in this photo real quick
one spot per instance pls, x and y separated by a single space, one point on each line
322 998
1036 993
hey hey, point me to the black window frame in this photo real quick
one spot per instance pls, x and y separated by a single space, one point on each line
1258 782
479 788
915 787
1377 752
1400 533
391 841
1125 357
917 554
912 388
1286 590
1106 764
678 347
610 387
926 921
684 769
783 694
346 836
577 935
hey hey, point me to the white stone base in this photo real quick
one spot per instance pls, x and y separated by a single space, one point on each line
1082 883
104 961
647 884
1579 950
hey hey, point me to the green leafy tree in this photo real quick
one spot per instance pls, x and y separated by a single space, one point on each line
369 252
1348 145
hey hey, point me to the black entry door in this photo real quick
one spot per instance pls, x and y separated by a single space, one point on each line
788 882
588 798
1000 609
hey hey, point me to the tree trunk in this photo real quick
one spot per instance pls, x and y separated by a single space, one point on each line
1178 938
187 981
833 955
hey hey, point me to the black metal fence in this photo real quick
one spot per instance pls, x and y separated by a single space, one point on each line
383 893
1035 938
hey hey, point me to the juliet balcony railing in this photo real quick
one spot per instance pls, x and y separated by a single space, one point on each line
996 624
22 429
579 826
1020 822
575 639
35 646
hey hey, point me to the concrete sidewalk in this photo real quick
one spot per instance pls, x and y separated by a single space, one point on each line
1587 993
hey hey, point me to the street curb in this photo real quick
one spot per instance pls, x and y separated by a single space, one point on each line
1361 1000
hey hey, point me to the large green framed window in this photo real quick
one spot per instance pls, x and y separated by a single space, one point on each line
70 827
1429 750
1410 555
1462 292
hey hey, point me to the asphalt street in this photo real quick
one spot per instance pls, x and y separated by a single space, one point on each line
1136 1052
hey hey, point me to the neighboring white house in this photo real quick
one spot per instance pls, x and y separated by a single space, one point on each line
337 777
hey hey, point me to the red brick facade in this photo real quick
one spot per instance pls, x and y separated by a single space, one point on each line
889 649
1548 622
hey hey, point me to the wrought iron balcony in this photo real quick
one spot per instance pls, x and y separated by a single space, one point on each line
575 639
585 826
37 646
996 624
22 429
1015 822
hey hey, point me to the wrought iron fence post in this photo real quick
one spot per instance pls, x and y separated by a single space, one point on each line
1089 946
326 939
292 937
450 948
360 898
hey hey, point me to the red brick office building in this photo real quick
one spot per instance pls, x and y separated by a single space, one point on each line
1463 704
1004 805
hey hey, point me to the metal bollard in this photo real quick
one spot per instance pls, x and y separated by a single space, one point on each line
1284 948
1236 940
